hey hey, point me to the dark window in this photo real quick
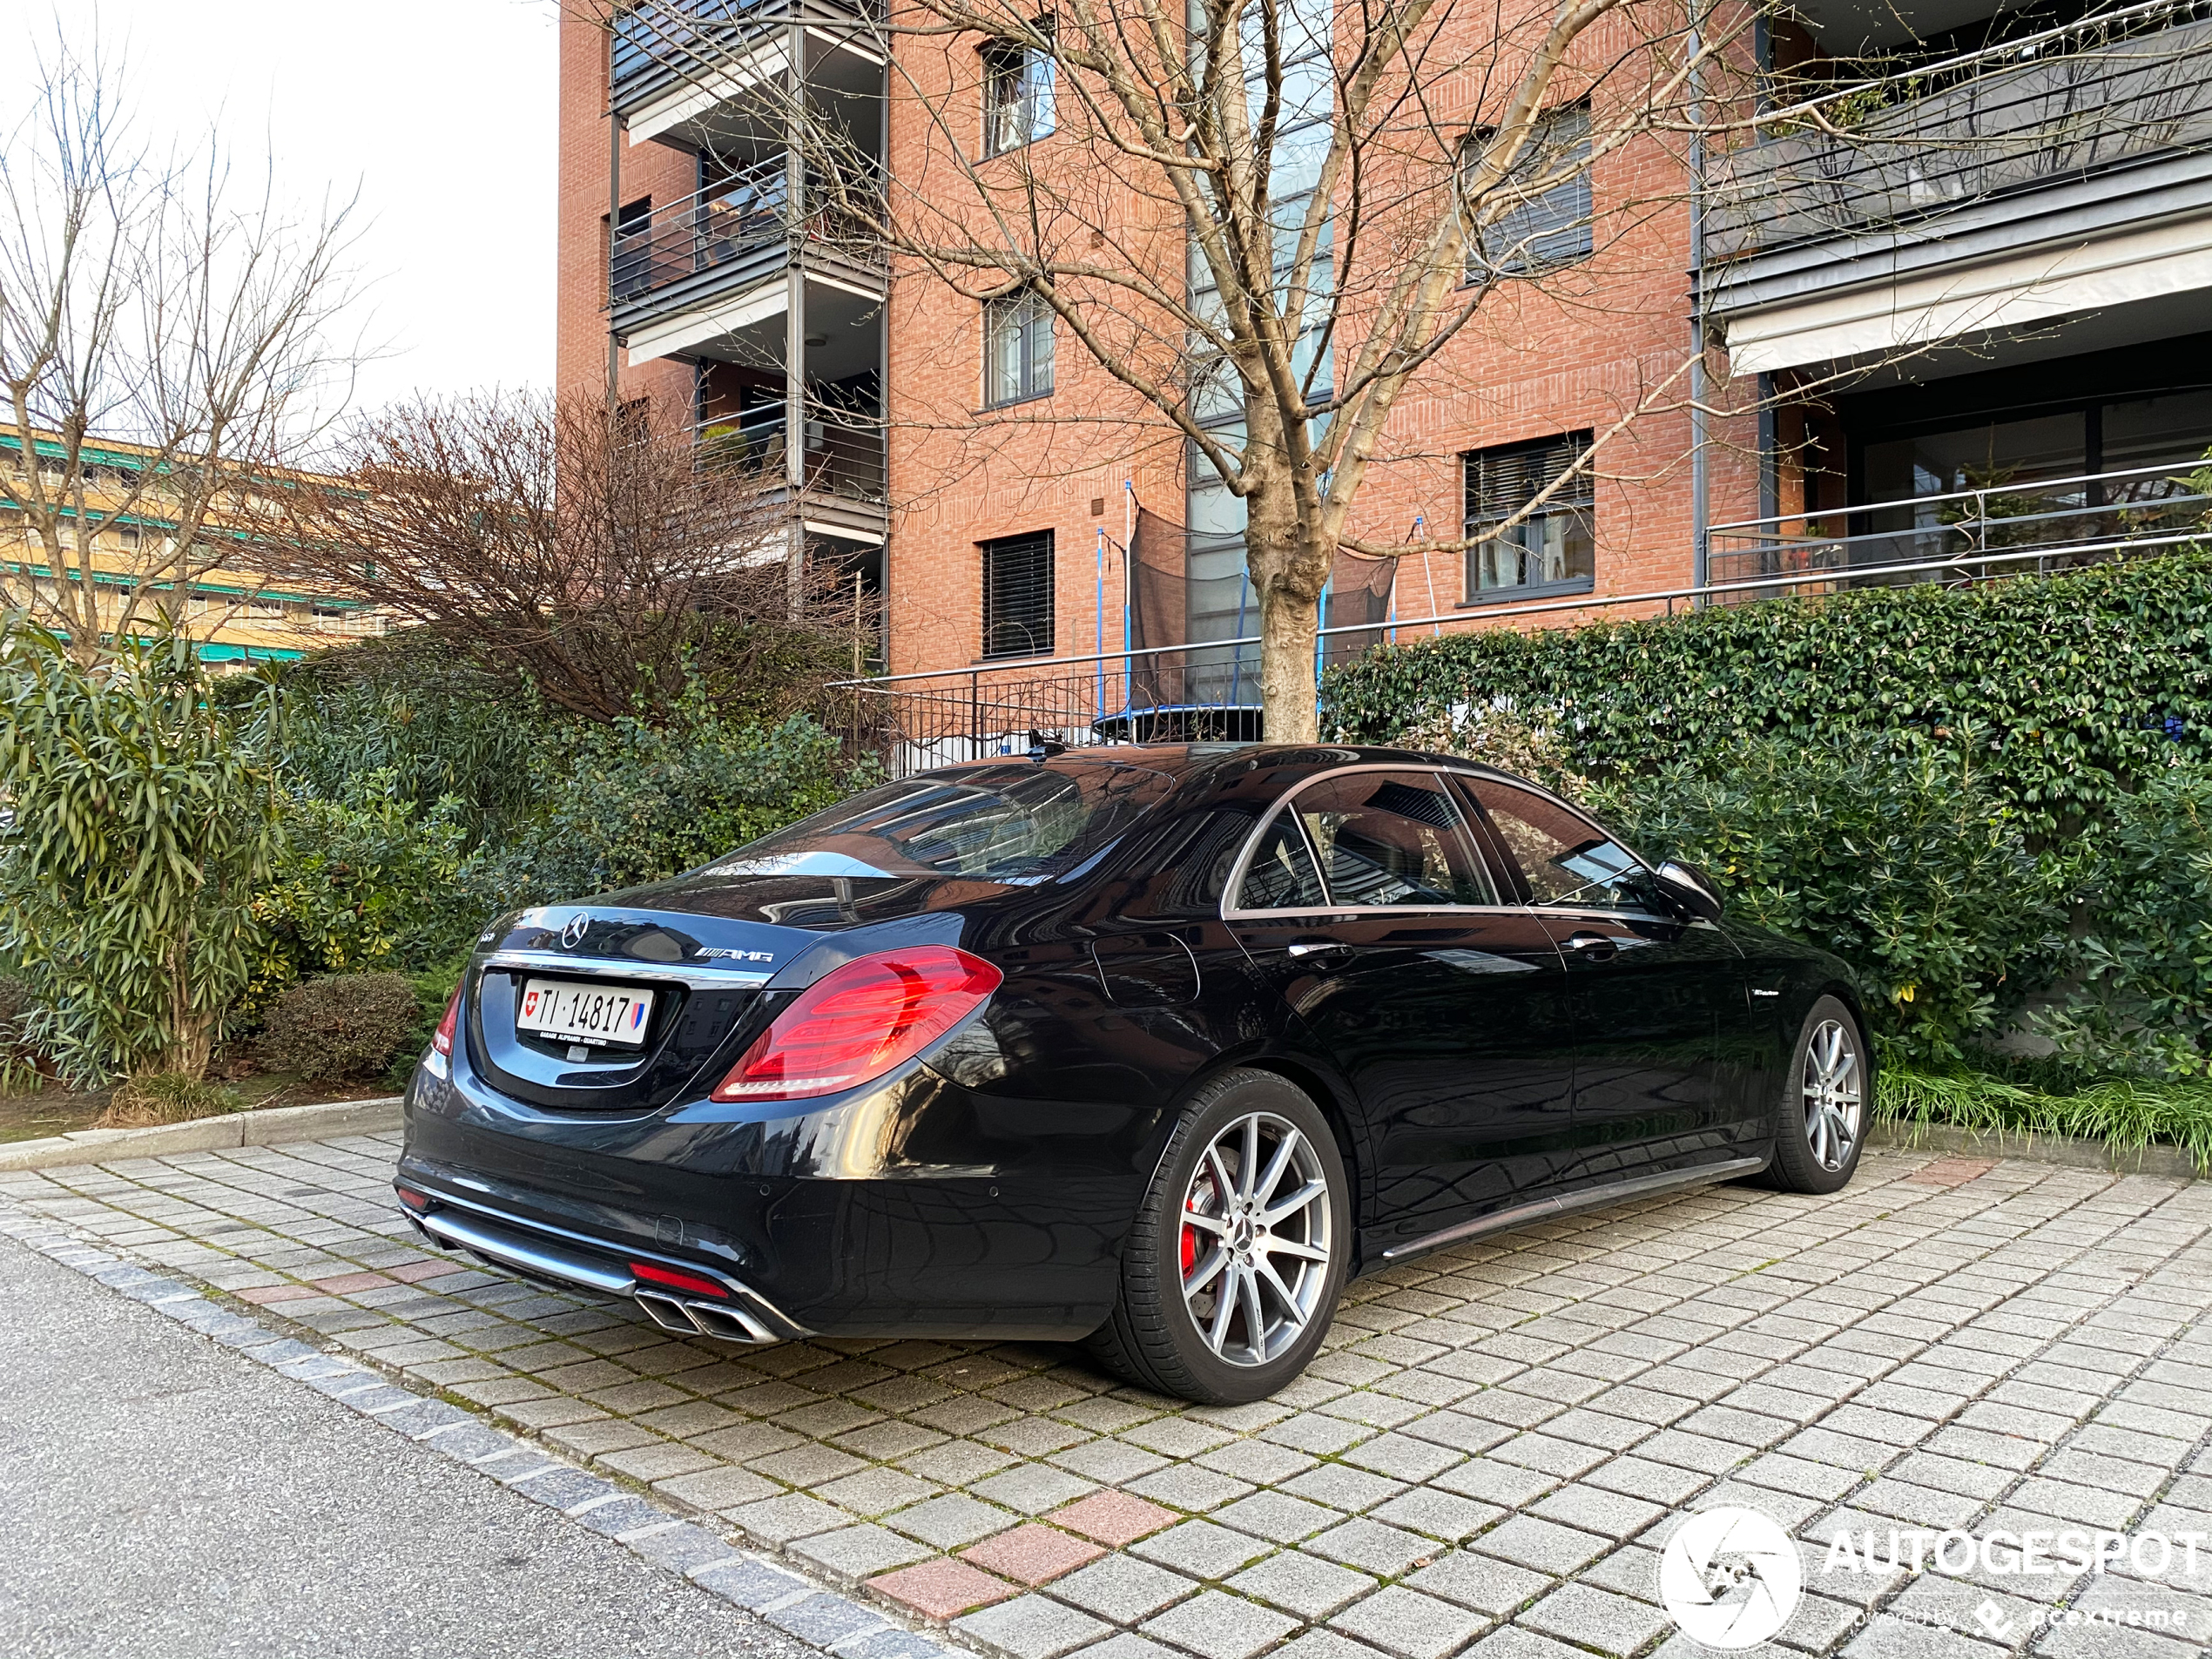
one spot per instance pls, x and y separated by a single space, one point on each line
1543 228
1391 838
1017 348
630 271
1282 876
1017 597
1566 860
1017 97
1554 547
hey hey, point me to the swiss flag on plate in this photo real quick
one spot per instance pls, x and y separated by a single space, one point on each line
530 1004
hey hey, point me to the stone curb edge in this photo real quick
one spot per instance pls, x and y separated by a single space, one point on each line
270 1127
2067 1152
834 1623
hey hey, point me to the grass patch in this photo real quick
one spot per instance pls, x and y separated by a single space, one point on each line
167 1097
2126 1114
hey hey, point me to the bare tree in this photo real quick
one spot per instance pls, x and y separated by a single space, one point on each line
165 347
594 555
1267 220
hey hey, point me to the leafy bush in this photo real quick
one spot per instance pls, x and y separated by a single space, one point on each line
2074 686
167 1097
366 880
341 1025
631 802
19 1060
1898 857
143 820
2144 1003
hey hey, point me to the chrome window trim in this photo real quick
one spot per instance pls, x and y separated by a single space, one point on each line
554 961
1569 807
1230 911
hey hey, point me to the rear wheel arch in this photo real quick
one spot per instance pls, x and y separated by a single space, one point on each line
1309 1081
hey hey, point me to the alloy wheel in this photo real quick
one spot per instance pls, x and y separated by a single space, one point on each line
1833 1105
1255 1240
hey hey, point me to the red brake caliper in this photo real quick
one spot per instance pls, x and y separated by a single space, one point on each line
1189 1249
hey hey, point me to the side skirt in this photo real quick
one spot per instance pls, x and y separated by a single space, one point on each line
1567 1204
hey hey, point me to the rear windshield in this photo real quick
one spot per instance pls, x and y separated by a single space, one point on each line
1019 823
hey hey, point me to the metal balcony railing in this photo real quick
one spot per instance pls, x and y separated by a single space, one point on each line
662 43
2070 102
844 453
2045 523
723 225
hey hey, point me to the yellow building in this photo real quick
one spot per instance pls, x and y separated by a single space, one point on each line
236 615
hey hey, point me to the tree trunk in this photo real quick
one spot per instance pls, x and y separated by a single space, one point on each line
1288 620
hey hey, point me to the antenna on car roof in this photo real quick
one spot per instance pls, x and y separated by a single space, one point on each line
1043 748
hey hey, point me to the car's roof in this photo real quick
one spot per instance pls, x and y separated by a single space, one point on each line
1192 762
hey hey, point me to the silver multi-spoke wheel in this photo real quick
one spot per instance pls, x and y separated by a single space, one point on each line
1255 1240
1833 1089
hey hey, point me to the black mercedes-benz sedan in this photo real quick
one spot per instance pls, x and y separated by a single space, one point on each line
1147 1047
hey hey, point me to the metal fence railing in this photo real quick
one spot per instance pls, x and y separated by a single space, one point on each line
722 226
1211 692
844 453
2078 519
2108 89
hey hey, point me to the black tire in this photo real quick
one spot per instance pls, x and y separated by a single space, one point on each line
1805 1149
1153 1339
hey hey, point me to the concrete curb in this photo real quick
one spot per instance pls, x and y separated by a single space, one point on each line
2167 1161
271 1127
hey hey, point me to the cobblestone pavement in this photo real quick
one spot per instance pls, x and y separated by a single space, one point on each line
1487 1458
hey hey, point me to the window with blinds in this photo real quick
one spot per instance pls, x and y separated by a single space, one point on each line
1017 596
1554 548
1542 229
1017 348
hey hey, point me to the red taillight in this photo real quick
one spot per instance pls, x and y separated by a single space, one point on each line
857 1021
413 1200
443 1042
676 1279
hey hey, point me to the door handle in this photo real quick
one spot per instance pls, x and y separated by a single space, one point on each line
1320 947
1597 946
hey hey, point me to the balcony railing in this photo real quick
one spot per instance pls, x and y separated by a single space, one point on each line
2045 523
2084 98
844 453
722 226
660 43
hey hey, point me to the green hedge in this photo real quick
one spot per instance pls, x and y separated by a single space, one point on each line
2073 687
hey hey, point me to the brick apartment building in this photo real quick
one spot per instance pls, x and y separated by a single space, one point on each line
1999 279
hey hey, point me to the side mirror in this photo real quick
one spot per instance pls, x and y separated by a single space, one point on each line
1691 888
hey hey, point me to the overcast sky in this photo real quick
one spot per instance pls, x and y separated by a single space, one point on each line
441 112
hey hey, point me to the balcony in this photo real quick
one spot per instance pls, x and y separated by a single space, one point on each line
844 452
2062 173
697 255
674 59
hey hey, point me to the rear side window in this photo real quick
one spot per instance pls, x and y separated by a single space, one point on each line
1391 838
1018 823
1566 860
1281 875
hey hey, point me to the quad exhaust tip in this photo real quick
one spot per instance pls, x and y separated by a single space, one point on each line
694 1318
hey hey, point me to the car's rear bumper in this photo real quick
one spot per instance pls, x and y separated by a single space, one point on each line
917 1210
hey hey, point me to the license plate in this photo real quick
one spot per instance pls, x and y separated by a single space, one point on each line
580 1012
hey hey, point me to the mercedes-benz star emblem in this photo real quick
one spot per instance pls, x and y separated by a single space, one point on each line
573 930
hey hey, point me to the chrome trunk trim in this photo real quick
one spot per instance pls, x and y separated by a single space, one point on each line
560 962
1569 1202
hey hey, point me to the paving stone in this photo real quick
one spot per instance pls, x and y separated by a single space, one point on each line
1201 1548
1370 1545
1218 1626
953 1520
1032 1627
854 1553
1032 1554
1545 1546
1122 1589
1303 1584
1114 1519
1595 1618
1032 1488
1405 1622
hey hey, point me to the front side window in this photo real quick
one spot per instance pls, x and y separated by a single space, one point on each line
1545 227
1391 838
1019 822
1017 596
1017 348
1566 860
1554 545
1017 97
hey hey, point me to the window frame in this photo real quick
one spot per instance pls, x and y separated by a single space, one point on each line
1479 267
988 549
1505 871
1478 831
1471 597
1034 314
1005 62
